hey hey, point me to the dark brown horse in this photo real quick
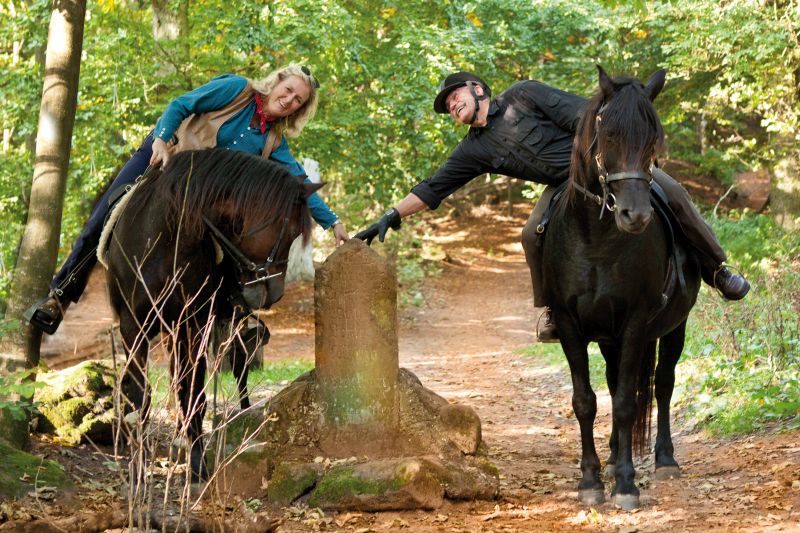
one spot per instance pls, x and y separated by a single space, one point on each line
611 274
205 240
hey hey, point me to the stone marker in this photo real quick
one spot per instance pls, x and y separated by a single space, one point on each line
358 432
355 301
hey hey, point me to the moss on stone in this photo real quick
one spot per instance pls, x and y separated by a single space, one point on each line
290 481
487 466
13 429
243 425
35 471
77 402
345 482
89 378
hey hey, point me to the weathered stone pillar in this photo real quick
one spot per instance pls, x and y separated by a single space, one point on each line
356 341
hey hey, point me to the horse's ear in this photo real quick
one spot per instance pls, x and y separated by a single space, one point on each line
310 188
606 85
655 84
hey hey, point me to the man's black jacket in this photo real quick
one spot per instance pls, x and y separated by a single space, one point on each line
528 135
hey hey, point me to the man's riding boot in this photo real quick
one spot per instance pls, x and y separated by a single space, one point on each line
46 314
546 331
732 286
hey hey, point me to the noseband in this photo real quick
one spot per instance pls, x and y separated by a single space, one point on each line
242 262
608 200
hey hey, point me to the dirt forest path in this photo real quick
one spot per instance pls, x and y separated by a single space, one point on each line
464 343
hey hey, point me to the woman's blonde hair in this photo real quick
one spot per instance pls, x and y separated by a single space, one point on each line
292 125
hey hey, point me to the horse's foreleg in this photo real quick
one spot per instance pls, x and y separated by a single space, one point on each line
135 396
240 358
190 378
627 405
669 351
611 356
584 403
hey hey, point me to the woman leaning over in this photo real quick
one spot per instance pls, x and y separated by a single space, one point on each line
228 112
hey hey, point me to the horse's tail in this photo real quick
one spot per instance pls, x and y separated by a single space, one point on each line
645 385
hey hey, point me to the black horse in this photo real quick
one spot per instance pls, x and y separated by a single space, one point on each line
619 280
205 240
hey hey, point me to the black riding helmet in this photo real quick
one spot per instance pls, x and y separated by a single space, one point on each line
453 82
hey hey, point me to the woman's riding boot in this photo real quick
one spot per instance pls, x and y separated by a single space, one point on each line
46 314
546 330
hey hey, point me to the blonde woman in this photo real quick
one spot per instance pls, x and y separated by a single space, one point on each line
228 112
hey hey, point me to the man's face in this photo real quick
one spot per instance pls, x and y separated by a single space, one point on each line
461 105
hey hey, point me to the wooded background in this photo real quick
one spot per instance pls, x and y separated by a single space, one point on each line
731 101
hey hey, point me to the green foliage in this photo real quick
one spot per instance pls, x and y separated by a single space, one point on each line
742 360
16 393
375 136
17 388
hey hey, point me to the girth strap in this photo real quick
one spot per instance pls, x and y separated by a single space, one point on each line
542 226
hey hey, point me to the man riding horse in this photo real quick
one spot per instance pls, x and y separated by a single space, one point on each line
526 132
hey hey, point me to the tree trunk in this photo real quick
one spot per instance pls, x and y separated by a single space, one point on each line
171 25
39 248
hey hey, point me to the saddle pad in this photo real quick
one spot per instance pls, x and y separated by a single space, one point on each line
110 222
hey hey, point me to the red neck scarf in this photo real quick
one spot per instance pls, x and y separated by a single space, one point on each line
263 117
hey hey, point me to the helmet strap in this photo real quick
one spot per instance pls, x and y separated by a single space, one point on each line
477 99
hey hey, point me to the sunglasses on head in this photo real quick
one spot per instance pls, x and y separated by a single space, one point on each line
305 70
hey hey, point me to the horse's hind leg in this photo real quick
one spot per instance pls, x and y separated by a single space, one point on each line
190 379
584 403
611 356
669 351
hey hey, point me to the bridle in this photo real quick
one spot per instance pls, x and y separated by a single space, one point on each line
608 201
242 263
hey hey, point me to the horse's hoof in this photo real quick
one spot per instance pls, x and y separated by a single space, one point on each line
591 496
627 502
664 473
609 470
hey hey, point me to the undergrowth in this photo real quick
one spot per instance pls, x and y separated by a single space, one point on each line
741 362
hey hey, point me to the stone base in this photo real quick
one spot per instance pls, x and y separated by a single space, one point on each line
430 451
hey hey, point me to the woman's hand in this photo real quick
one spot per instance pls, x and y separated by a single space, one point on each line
160 152
340 233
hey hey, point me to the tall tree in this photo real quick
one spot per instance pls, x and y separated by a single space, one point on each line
39 248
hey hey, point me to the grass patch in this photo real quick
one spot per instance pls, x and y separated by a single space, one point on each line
551 354
270 374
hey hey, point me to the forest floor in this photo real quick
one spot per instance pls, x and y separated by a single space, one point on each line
467 342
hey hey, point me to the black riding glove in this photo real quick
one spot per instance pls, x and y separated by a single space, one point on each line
391 219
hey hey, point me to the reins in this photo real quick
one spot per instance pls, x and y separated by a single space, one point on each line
241 261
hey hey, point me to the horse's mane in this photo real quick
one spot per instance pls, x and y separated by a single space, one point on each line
251 190
629 120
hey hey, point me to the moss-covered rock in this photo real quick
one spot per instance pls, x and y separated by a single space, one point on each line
391 484
77 403
292 480
14 428
22 472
